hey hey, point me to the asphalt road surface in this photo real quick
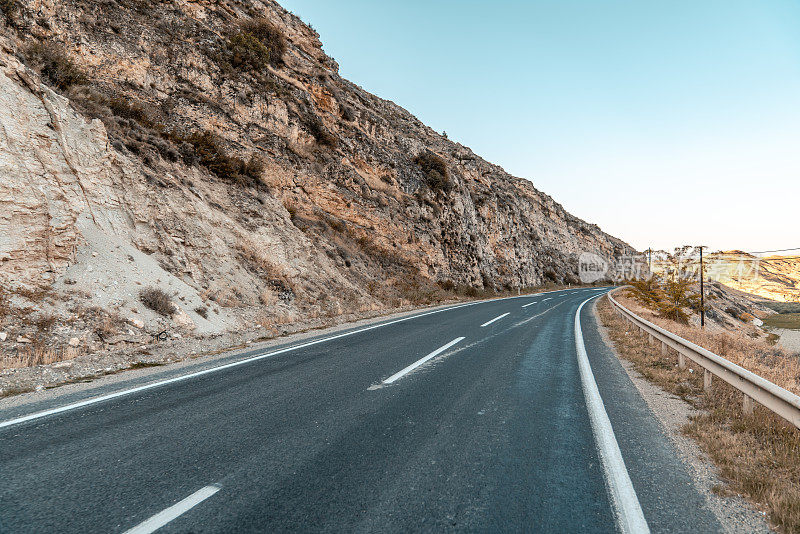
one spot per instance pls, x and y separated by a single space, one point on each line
472 418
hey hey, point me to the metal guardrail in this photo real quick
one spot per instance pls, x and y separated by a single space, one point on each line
753 387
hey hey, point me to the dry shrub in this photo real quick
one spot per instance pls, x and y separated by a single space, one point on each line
758 455
320 132
202 311
5 305
157 300
53 63
419 291
109 325
268 297
9 9
45 322
256 43
210 153
437 175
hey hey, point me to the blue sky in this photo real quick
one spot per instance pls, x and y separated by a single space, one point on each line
666 123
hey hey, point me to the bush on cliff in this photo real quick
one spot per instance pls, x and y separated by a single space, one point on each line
437 176
9 9
211 155
54 65
255 44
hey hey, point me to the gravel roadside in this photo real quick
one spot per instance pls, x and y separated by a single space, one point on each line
734 513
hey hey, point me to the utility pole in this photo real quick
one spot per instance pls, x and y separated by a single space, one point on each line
702 293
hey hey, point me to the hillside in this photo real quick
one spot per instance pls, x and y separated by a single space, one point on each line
211 150
772 277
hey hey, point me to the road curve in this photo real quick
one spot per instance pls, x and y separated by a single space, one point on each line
474 418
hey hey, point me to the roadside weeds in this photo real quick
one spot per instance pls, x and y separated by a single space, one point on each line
758 456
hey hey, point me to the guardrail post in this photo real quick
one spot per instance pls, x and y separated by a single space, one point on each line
663 348
650 339
773 397
747 405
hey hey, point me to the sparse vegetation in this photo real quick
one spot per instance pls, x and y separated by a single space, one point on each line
9 9
157 300
55 65
757 454
256 43
211 155
437 175
783 307
669 298
202 311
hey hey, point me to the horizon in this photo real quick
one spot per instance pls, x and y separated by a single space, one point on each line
686 109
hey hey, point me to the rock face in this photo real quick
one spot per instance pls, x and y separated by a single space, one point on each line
213 147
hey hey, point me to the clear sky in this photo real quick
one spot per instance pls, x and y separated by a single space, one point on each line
666 123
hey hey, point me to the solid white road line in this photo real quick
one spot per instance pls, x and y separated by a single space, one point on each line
548 298
419 362
162 518
487 323
89 402
627 509
181 378
529 304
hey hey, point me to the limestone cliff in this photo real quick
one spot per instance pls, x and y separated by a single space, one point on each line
211 148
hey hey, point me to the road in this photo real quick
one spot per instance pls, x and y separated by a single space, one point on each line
471 418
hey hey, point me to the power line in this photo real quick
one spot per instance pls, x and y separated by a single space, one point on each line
779 250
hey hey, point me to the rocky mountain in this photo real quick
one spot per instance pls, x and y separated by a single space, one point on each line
210 149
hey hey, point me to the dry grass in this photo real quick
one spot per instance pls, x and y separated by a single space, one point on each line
38 354
271 322
773 363
758 455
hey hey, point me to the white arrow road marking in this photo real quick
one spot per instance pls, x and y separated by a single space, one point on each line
164 517
487 323
628 511
419 362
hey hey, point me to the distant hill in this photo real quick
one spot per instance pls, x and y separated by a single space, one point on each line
773 277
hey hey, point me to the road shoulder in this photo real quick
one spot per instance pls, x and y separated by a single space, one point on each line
735 514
